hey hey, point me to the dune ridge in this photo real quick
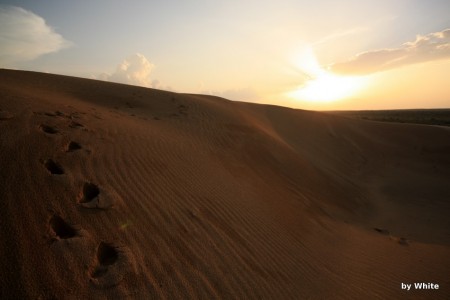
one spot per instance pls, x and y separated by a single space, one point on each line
115 191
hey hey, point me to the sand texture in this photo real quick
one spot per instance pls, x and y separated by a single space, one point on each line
109 191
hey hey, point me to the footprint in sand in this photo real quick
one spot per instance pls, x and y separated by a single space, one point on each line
106 255
111 264
73 146
53 167
61 229
49 129
92 197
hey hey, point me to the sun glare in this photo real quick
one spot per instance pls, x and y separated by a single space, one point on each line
321 86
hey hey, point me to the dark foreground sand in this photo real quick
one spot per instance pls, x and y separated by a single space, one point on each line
112 191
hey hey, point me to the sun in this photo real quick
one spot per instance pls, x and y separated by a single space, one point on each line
320 85
326 87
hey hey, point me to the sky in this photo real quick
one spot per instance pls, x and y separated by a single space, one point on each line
320 55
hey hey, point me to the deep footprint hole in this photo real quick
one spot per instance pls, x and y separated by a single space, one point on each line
61 228
49 129
53 167
73 146
107 254
90 191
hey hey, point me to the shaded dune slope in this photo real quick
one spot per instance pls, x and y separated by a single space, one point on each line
108 190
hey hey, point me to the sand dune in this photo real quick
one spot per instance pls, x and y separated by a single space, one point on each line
110 191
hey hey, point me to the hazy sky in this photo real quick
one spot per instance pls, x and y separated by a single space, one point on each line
351 54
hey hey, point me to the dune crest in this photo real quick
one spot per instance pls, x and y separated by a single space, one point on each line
115 191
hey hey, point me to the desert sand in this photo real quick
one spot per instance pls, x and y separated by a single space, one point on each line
109 191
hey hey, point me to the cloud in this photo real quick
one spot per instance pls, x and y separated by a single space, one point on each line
134 70
433 46
25 36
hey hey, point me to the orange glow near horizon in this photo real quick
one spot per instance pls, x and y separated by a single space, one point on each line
322 86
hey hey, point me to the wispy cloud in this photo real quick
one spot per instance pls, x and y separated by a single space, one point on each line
433 46
134 70
25 36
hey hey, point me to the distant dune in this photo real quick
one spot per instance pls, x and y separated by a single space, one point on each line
110 191
440 117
